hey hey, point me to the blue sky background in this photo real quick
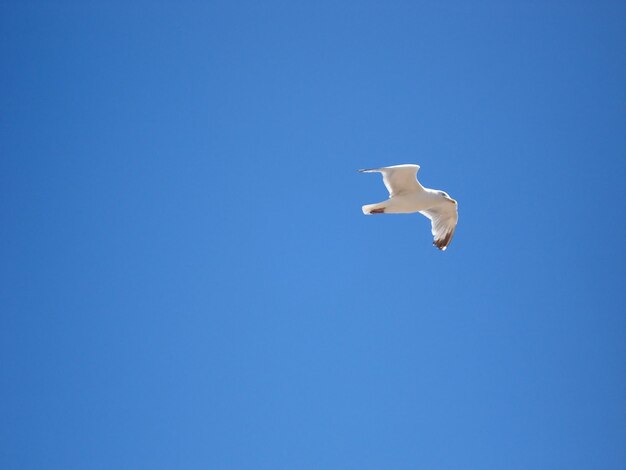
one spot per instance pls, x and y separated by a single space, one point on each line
187 280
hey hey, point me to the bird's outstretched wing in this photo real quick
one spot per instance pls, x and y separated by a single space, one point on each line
398 178
443 218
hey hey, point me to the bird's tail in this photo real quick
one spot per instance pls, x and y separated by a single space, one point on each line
369 209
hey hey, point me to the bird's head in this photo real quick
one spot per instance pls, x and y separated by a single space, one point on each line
445 195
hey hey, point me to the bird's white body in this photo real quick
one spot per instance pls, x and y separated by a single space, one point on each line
407 196
408 203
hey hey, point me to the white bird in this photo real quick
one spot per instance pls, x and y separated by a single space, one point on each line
407 195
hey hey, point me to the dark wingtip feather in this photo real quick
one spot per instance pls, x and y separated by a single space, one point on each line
442 243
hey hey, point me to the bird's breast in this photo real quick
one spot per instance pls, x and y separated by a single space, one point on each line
408 203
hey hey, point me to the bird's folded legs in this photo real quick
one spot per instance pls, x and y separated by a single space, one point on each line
378 211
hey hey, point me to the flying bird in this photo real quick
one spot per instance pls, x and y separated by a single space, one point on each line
407 196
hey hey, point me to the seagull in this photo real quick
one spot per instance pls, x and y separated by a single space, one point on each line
407 196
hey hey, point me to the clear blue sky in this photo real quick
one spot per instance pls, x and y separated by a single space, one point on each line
187 280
